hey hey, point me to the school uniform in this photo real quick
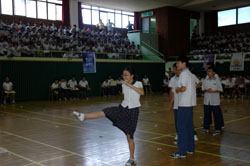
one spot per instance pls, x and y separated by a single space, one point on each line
212 103
83 87
73 89
55 89
64 90
119 85
173 84
186 101
146 85
125 116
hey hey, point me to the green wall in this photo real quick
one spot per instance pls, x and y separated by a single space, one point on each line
32 79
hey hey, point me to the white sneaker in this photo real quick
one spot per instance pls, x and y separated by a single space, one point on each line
195 138
79 116
130 162
176 137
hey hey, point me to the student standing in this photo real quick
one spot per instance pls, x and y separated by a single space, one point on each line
125 116
185 90
212 88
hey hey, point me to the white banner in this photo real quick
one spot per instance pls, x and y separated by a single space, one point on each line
237 62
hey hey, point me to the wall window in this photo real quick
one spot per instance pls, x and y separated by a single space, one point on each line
227 17
86 15
234 16
244 15
31 8
20 7
92 14
42 9
7 7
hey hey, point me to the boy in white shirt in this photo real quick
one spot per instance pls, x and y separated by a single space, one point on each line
55 88
64 88
84 87
173 84
73 87
186 91
8 90
212 88
119 85
146 84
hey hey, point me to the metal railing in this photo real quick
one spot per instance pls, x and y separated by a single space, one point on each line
158 53
77 54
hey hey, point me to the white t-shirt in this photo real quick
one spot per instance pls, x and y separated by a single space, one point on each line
145 81
105 84
119 82
195 81
173 84
212 98
7 86
72 84
186 98
83 83
131 97
63 84
54 85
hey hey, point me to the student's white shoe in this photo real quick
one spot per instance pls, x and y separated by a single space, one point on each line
130 162
176 137
79 116
195 138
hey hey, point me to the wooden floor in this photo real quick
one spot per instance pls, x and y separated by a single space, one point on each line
43 133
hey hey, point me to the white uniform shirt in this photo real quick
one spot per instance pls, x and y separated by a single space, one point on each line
54 85
212 98
63 84
105 84
186 98
131 97
72 83
195 81
145 81
7 86
165 82
119 82
173 84
83 83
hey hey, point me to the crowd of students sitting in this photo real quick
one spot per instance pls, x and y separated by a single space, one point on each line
19 39
220 43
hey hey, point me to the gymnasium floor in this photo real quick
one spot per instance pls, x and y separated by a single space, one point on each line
43 133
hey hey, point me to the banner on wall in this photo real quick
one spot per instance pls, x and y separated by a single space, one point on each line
237 62
89 62
209 59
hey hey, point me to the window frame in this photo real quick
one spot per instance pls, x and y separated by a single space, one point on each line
25 4
114 12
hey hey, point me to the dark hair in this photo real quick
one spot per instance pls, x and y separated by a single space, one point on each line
211 68
131 70
174 65
211 64
184 59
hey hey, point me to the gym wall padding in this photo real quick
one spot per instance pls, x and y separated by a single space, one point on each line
31 79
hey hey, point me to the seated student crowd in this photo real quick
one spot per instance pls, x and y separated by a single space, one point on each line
8 91
111 87
71 89
23 40
221 43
